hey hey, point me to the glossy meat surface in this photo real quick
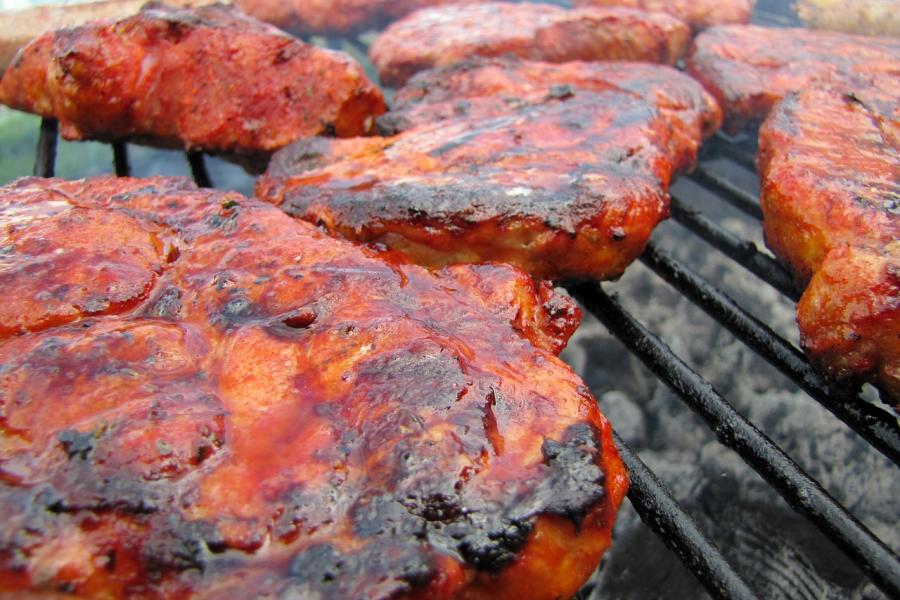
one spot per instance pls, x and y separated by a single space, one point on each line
209 78
233 404
446 35
830 168
570 188
699 14
483 87
749 69
335 17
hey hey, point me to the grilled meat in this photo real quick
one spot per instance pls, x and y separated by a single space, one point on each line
869 17
442 36
699 14
569 188
750 68
210 79
483 87
18 27
334 17
202 397
830 168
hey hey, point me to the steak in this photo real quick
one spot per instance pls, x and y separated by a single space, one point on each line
209 79
569 188
203 397
445 35
829 162
699 14
483 87
749 69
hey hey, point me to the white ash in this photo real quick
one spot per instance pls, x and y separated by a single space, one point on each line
778 551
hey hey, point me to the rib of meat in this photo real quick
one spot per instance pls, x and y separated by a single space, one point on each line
210 79
483 87
749 69
203 397
699 14
335 17
571 188
442 36
830 168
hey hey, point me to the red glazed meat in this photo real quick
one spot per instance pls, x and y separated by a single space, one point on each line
830 168
568 188
749 69
335 17
443 36
699 14
483 87
201 397
209 79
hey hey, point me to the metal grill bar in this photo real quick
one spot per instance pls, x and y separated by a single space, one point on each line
733 430
654 503
721 186
198 169
719 145
45 158
742 251
876 426
120 159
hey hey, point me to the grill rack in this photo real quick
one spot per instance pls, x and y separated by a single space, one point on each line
649 496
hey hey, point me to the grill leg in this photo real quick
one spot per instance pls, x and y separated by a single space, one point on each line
120 159
198 169
45 159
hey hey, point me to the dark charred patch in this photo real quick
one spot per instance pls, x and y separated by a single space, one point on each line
487 533
226 220
575 483
238 309
397 567
76 444
397 377
168 305
561 92
174 544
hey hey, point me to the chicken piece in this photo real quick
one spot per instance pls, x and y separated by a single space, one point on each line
278 413
491 86
699 14
868 17
829 162
443 36
749 69
571 188
335 17
210 79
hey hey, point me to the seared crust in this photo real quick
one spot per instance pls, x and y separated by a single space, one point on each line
443 36
830 168
749 69
210 79
699 14
486 87
335 17
281 413
571 188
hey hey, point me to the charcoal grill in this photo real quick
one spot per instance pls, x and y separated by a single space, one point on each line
650 497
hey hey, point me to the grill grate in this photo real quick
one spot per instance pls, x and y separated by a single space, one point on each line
649 496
